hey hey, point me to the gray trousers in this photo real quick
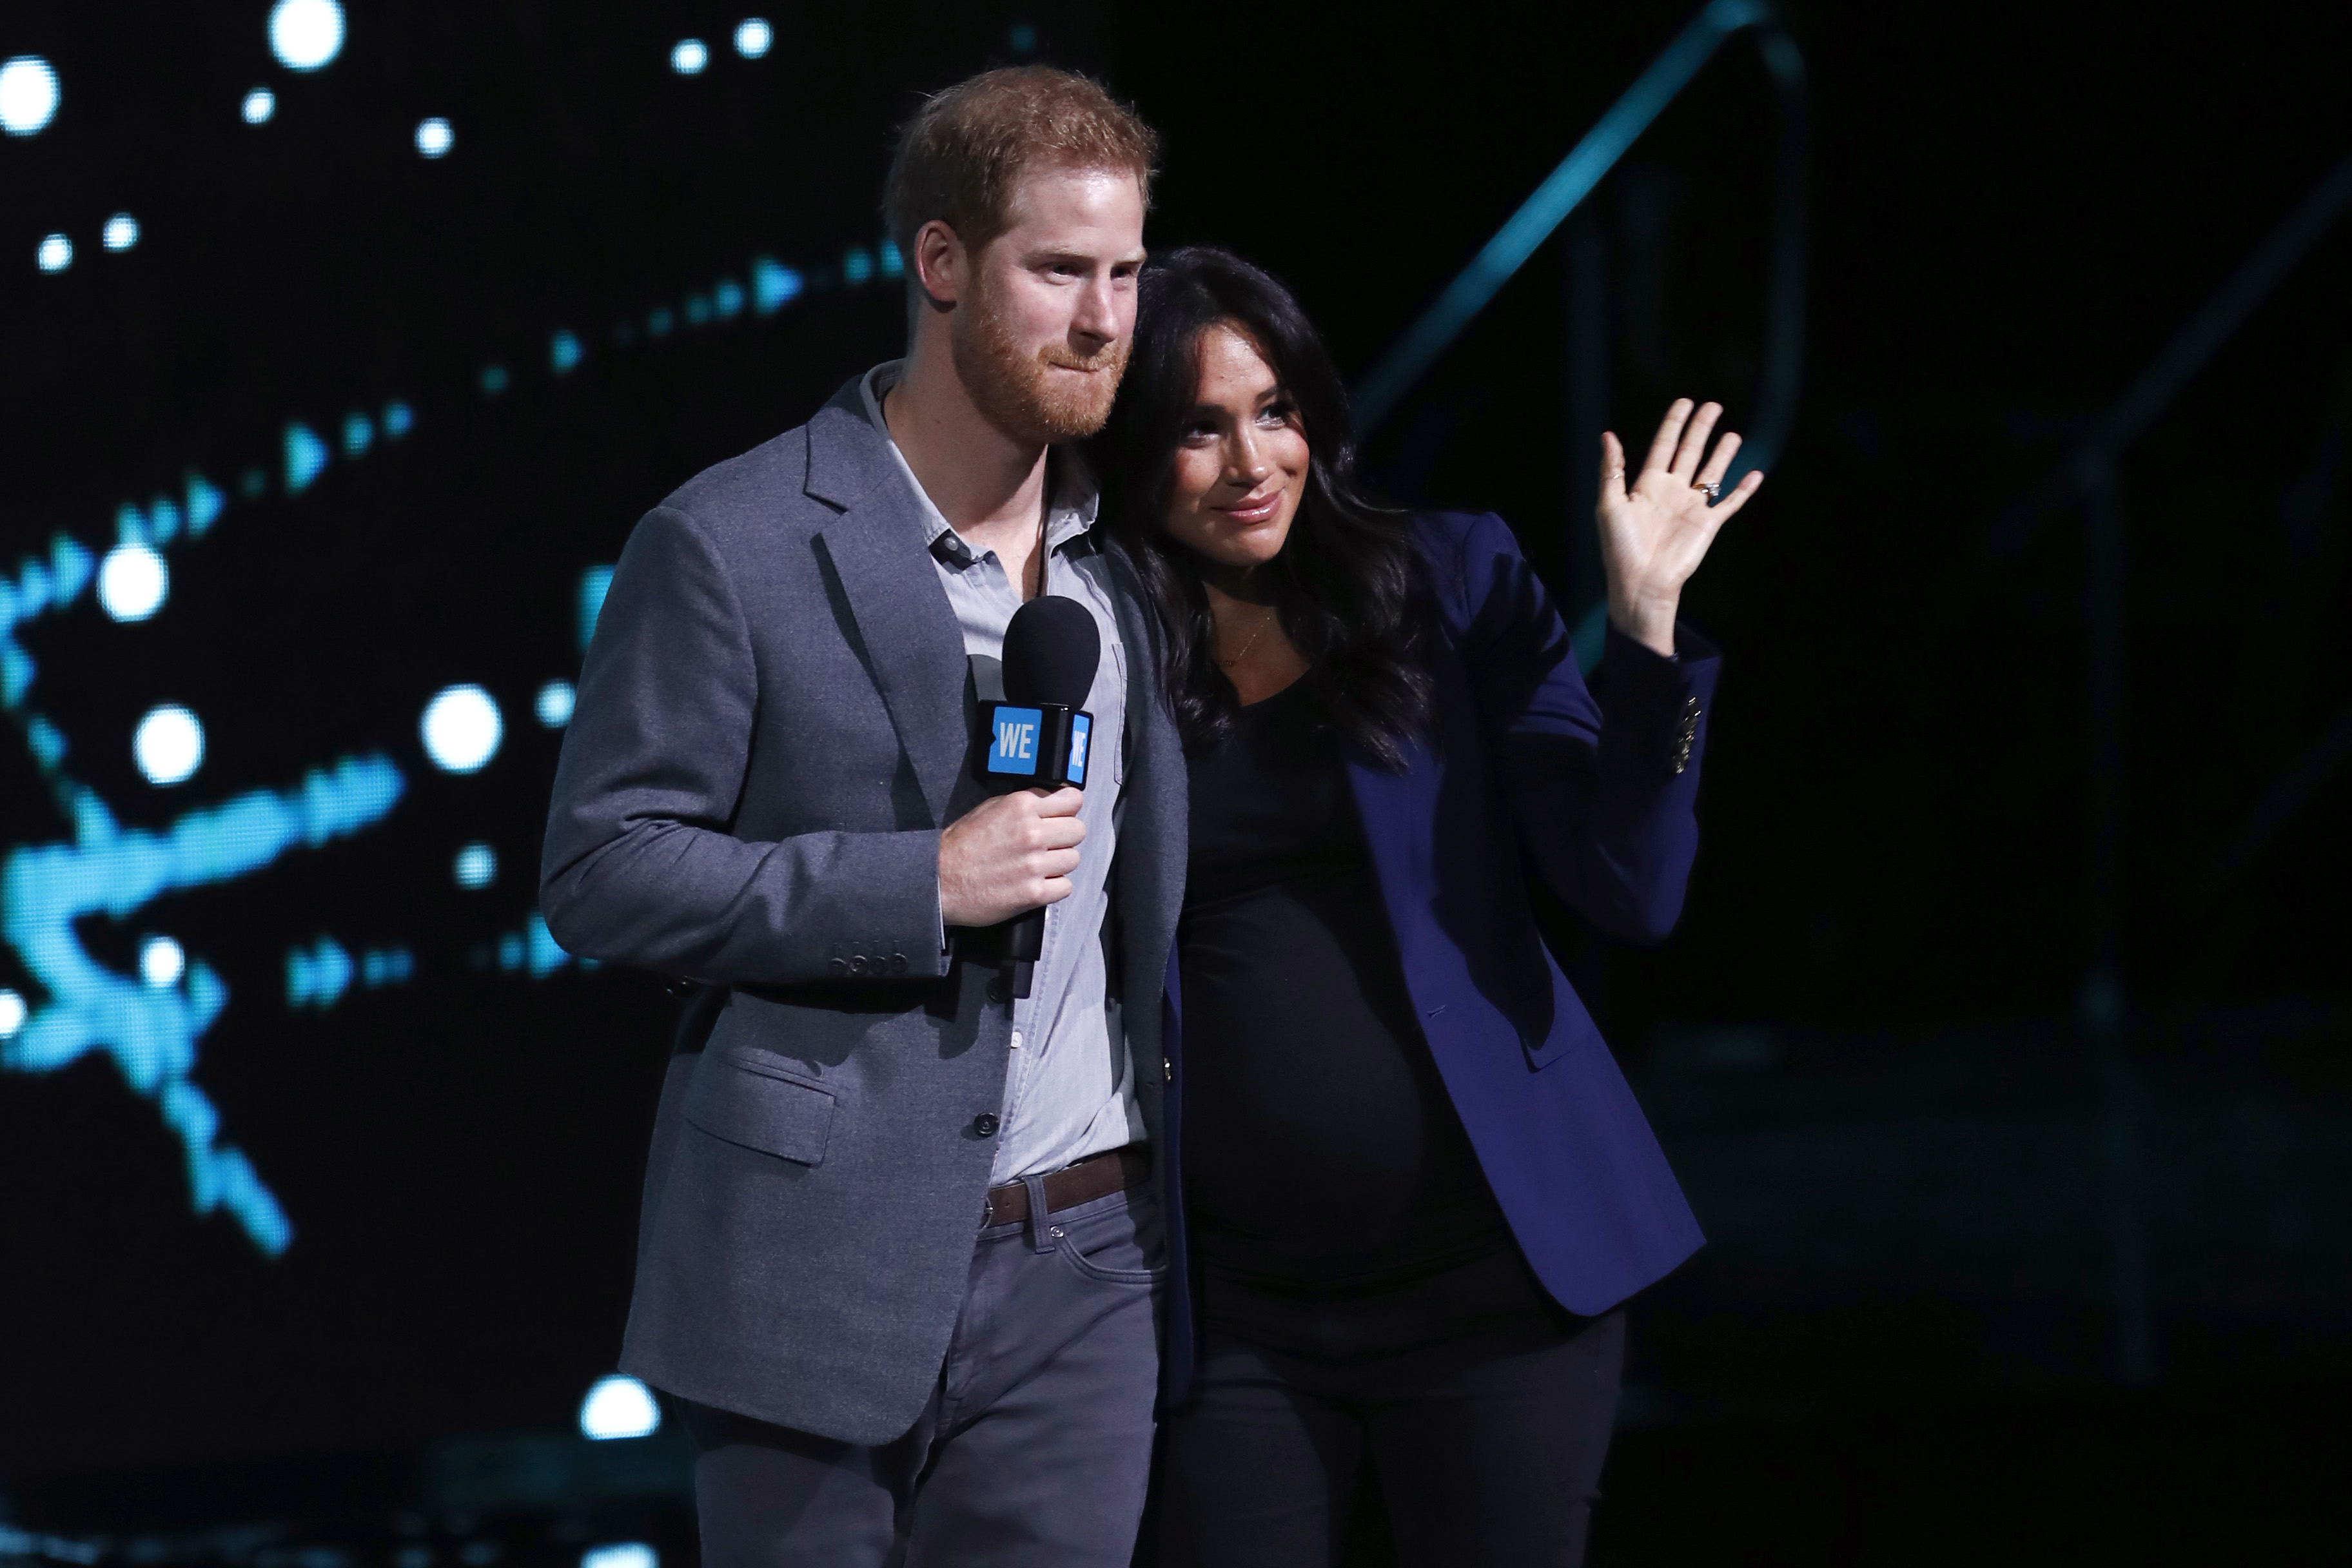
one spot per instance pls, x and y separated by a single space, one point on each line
1035 1445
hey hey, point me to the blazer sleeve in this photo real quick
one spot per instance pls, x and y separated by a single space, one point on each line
1603 794
639 867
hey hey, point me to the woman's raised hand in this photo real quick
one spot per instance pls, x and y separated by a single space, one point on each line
1655 533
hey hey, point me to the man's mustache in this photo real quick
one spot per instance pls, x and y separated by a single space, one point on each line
1110 356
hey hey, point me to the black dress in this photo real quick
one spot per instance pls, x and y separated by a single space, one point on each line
1362 1298
1323 1155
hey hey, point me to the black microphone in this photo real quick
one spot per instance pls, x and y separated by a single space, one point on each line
1038 737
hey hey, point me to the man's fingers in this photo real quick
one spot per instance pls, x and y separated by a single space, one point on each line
1694 442
1720 462
1670 429
1060 832
1063 802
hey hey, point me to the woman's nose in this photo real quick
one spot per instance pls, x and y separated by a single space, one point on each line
1245 460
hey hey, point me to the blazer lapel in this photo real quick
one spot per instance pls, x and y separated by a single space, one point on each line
906 628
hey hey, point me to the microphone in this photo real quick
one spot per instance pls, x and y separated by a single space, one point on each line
1038 736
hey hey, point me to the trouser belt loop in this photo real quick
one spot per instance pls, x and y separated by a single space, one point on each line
1041 1235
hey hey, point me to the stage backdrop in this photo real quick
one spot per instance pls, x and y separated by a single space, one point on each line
344 343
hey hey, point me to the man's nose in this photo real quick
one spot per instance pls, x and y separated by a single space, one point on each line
1098 315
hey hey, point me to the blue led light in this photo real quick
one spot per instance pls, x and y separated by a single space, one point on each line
121 232
621 1554
618 1406
133 582
554 704
434 137
55 253
161 960
564 352
317 977
398 420
359 435
204 505
494 380
595 584
47 741
13 1013
163 519
151 1033
168 745
462 729
477 866
258 106
690 56
698 309
857 266
754 38
773 286
1024 38
28 95
380 967
658 321
39 588
892 264
727 299
306 35
305 454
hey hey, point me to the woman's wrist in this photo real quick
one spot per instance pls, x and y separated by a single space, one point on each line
1650 622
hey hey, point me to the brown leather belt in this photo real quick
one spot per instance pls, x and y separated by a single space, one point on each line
1096 1176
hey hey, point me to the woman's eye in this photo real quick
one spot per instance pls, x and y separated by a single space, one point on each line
1275 413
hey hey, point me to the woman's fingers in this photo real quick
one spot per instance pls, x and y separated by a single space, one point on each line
1719 463
1693 443
1613 468
1736 497
1670 431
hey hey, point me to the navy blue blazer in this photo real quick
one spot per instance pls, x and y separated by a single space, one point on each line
1521 769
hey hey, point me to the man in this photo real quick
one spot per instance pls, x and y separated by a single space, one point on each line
900 1252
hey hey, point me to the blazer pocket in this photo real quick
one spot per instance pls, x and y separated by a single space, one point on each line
775 1115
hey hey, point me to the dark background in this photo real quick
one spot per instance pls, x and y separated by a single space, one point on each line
1926 1191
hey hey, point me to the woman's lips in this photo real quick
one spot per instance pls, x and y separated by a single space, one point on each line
1253 510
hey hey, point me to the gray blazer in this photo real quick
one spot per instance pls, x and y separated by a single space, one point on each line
772 728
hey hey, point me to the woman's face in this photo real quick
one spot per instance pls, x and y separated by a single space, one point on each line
1241 458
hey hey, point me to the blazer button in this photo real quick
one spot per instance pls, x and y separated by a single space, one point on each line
857 964
984 1124
840 966
898 964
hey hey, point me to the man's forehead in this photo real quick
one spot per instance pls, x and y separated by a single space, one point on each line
1074 196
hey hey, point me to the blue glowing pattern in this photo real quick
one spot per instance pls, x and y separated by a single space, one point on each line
595 584
152 1032
305 456
477 866
857 266
892 264
563 353
754 38
258 106
150 1022
774 286
54 254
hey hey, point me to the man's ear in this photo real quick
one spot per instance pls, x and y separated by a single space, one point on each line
940 264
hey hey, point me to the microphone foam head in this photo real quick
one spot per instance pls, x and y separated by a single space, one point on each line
1051 649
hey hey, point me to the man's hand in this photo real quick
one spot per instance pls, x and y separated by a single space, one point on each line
1655 533
1009 854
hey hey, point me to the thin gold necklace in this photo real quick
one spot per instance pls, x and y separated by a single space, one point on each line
1272 612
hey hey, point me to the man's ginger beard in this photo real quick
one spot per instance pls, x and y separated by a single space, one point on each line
1015 390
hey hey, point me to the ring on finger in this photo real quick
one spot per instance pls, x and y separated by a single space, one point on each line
1713 488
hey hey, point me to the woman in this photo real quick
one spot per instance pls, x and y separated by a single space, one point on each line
1414 1186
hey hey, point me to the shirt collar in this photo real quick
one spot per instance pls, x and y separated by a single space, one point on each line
1070 515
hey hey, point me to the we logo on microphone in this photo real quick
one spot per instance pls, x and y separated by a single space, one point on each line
1044 746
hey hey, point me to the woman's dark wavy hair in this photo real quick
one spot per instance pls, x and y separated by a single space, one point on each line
1347 583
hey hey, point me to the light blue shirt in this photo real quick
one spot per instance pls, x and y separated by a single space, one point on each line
1070 1089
